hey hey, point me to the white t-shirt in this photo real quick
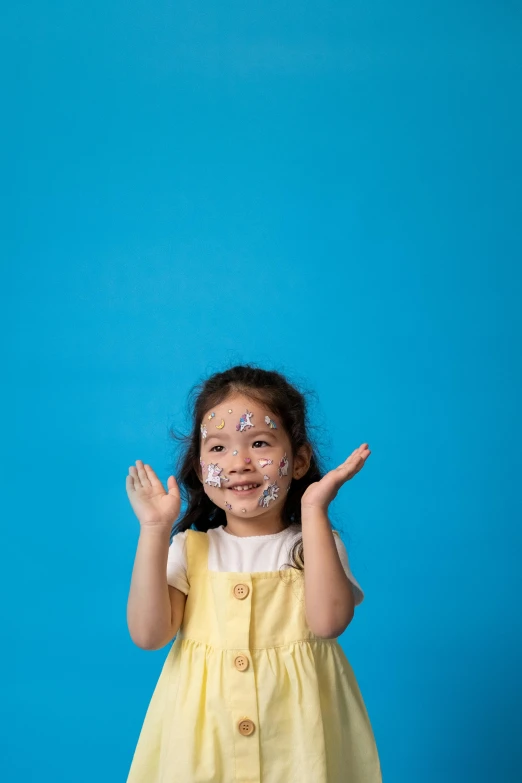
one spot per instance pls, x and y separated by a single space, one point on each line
246 554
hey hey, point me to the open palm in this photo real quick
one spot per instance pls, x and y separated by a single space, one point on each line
152 505
321 493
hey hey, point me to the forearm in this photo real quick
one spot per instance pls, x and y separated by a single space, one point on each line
329 601
148 608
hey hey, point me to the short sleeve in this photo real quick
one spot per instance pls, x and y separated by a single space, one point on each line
358 594
177 562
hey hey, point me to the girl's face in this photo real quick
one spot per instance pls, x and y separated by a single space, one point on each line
245 458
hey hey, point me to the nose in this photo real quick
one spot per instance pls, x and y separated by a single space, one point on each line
240 463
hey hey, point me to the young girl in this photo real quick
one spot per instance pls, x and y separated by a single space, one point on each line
255 688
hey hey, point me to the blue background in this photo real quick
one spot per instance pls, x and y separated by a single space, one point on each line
331 189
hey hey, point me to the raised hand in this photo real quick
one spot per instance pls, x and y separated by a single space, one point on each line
152 505
321 493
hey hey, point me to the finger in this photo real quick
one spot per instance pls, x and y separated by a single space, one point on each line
352 465
154 480
144 479
135 477
358 454
172 485
129 484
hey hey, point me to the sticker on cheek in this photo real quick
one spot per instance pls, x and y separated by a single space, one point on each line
264 462
214 477
269 494
283 466
266 478
202 463
271 423
244 422
203 431
228 506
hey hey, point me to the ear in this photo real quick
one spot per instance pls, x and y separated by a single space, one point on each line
302 461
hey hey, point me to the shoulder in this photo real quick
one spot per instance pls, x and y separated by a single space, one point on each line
177 562
179 541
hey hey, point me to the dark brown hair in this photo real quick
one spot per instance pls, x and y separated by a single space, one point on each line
283 399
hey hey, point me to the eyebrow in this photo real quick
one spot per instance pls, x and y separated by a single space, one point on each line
256 433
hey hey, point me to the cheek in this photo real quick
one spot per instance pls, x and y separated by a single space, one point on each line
279 473
284 468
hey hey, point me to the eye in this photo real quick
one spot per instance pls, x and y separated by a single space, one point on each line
260 441
216 447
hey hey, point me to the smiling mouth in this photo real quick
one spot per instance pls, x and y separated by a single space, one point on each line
240 491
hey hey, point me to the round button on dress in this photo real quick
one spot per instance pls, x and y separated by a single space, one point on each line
296 712
241 591
246 727
241 663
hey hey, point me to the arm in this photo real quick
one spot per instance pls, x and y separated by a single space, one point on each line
329 598
154 612
154 608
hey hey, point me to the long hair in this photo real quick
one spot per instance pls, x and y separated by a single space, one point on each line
269 388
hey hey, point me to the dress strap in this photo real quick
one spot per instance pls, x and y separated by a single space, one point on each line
197 553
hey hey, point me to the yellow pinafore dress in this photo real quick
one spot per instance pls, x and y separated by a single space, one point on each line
248 694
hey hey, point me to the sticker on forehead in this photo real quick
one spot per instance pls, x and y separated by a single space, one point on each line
271 423
221 425
210 416
214 477
244 422
270 493
265 462
283 466
203 431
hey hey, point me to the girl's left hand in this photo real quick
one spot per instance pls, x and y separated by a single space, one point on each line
321 493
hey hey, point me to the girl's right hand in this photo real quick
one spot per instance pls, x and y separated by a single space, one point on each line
152 505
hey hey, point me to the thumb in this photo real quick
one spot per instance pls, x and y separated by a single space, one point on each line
172 485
